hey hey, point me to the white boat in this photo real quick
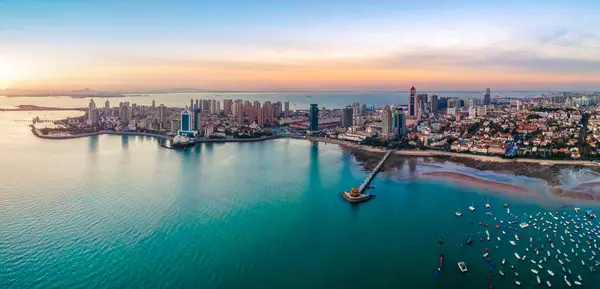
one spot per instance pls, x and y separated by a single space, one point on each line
579 277
498 239
538 279
558 250
567 281
487 233
471 208
458 213
561 262
462 266
551 273
512 242
530 240
518 283
524 257
577 283
487 205
503 261
582 263
517 255
568 260
516 237
540 266
549 284
533 261
503 233
485 254
534 271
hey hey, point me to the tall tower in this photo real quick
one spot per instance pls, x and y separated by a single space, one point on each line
487 99
434 104
412 104
314 118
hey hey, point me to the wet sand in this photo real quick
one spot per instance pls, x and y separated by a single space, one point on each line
587 191
463 179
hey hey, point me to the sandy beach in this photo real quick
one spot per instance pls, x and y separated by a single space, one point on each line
463 179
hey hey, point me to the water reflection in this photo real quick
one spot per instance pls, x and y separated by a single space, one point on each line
124 141
93 143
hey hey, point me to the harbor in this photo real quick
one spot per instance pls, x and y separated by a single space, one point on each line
522 249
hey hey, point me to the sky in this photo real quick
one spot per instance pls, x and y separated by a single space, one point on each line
130 45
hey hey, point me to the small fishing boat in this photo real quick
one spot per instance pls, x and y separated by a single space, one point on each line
512 242
458 213
567 281
578 283
551 273
534 271
503 261
549 284
462 266
501 273
487 205
517 255
471 208
538 279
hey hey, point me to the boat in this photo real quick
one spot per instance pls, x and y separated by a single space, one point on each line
458 213
498 239
471 208
577 283
582 263
576 210
506 205
503 261
516 237
549 284
487 205
518 283
551 273
470 241
512 242
517 255
579 277
524 257
485 254
533 261
538 279
501 273
567 281
534 271
462 266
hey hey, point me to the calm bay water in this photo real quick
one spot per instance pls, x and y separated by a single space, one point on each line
114 212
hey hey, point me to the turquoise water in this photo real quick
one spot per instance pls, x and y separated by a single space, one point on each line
114 212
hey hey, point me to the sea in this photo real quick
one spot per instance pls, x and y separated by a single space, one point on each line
122 212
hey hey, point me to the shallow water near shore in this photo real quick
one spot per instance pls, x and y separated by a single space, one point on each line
119 211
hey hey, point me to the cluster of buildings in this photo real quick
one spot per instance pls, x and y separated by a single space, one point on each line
563 125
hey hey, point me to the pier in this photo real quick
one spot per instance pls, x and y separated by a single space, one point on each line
372 175
357 195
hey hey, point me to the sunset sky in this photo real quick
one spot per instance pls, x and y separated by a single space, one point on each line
268 45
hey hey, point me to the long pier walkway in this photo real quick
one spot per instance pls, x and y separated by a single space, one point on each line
372 175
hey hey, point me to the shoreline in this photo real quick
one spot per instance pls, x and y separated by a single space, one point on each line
412 153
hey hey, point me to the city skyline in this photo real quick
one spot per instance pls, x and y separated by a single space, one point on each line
263 45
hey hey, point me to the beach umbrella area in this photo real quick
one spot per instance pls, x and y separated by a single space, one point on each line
528 250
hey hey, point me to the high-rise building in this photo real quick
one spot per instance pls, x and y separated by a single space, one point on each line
434 105
421 105
386 119
286 108
314 118
234 109
192 103
153 104
227 103
487 98
186 120
107 109
218 107
213 107
412 104
356 108
260 118
196 119
94 117
124 113
251 114
472 112
363 108
91 107
268 113
399 122
346 116
162 114
240 113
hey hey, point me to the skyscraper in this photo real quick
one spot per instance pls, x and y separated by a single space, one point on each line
240 113
268 108
434 104
346 116
192 103
251 114
412 104
421 104
487 98
95 117
107 110
227 106
124 112
218 107
356 108
399 122
386 119
314 118
260 118
213 107
91 107
286 108
186 120
162 113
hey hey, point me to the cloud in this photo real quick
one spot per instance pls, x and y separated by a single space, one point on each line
569 38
